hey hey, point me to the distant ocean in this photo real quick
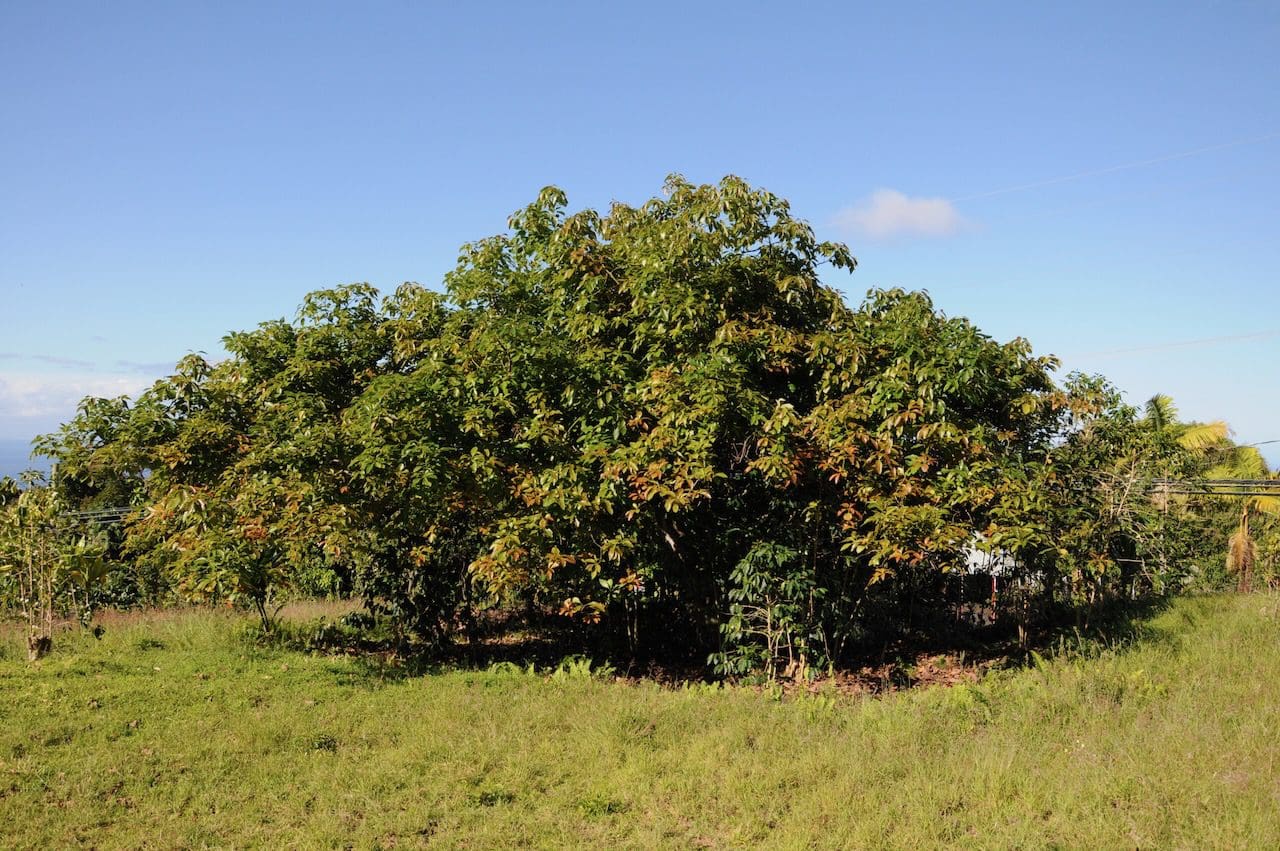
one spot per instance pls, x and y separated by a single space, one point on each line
14 458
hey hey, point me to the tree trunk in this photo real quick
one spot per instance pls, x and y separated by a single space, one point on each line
38 646
260 604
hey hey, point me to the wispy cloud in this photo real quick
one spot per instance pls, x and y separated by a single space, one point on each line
888 213
52 360
150 368
159 367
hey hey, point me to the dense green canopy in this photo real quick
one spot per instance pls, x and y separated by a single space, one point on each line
658 420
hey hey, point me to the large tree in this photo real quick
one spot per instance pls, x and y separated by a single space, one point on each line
660 420
662 417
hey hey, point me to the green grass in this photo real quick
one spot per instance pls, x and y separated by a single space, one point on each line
173 732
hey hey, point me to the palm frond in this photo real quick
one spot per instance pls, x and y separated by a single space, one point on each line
1200 436
1249 462
1265 505
1160 412
1242 462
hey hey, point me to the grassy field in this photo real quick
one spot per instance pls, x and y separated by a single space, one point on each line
173 731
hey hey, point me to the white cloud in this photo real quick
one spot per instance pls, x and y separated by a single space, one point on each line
888 213
42 397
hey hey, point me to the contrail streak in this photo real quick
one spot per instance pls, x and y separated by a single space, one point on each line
1108 170
1206 341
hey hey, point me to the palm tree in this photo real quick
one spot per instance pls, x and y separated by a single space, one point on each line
1246 463
1206 440
1162 417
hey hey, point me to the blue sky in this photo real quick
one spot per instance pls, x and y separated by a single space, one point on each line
171 172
